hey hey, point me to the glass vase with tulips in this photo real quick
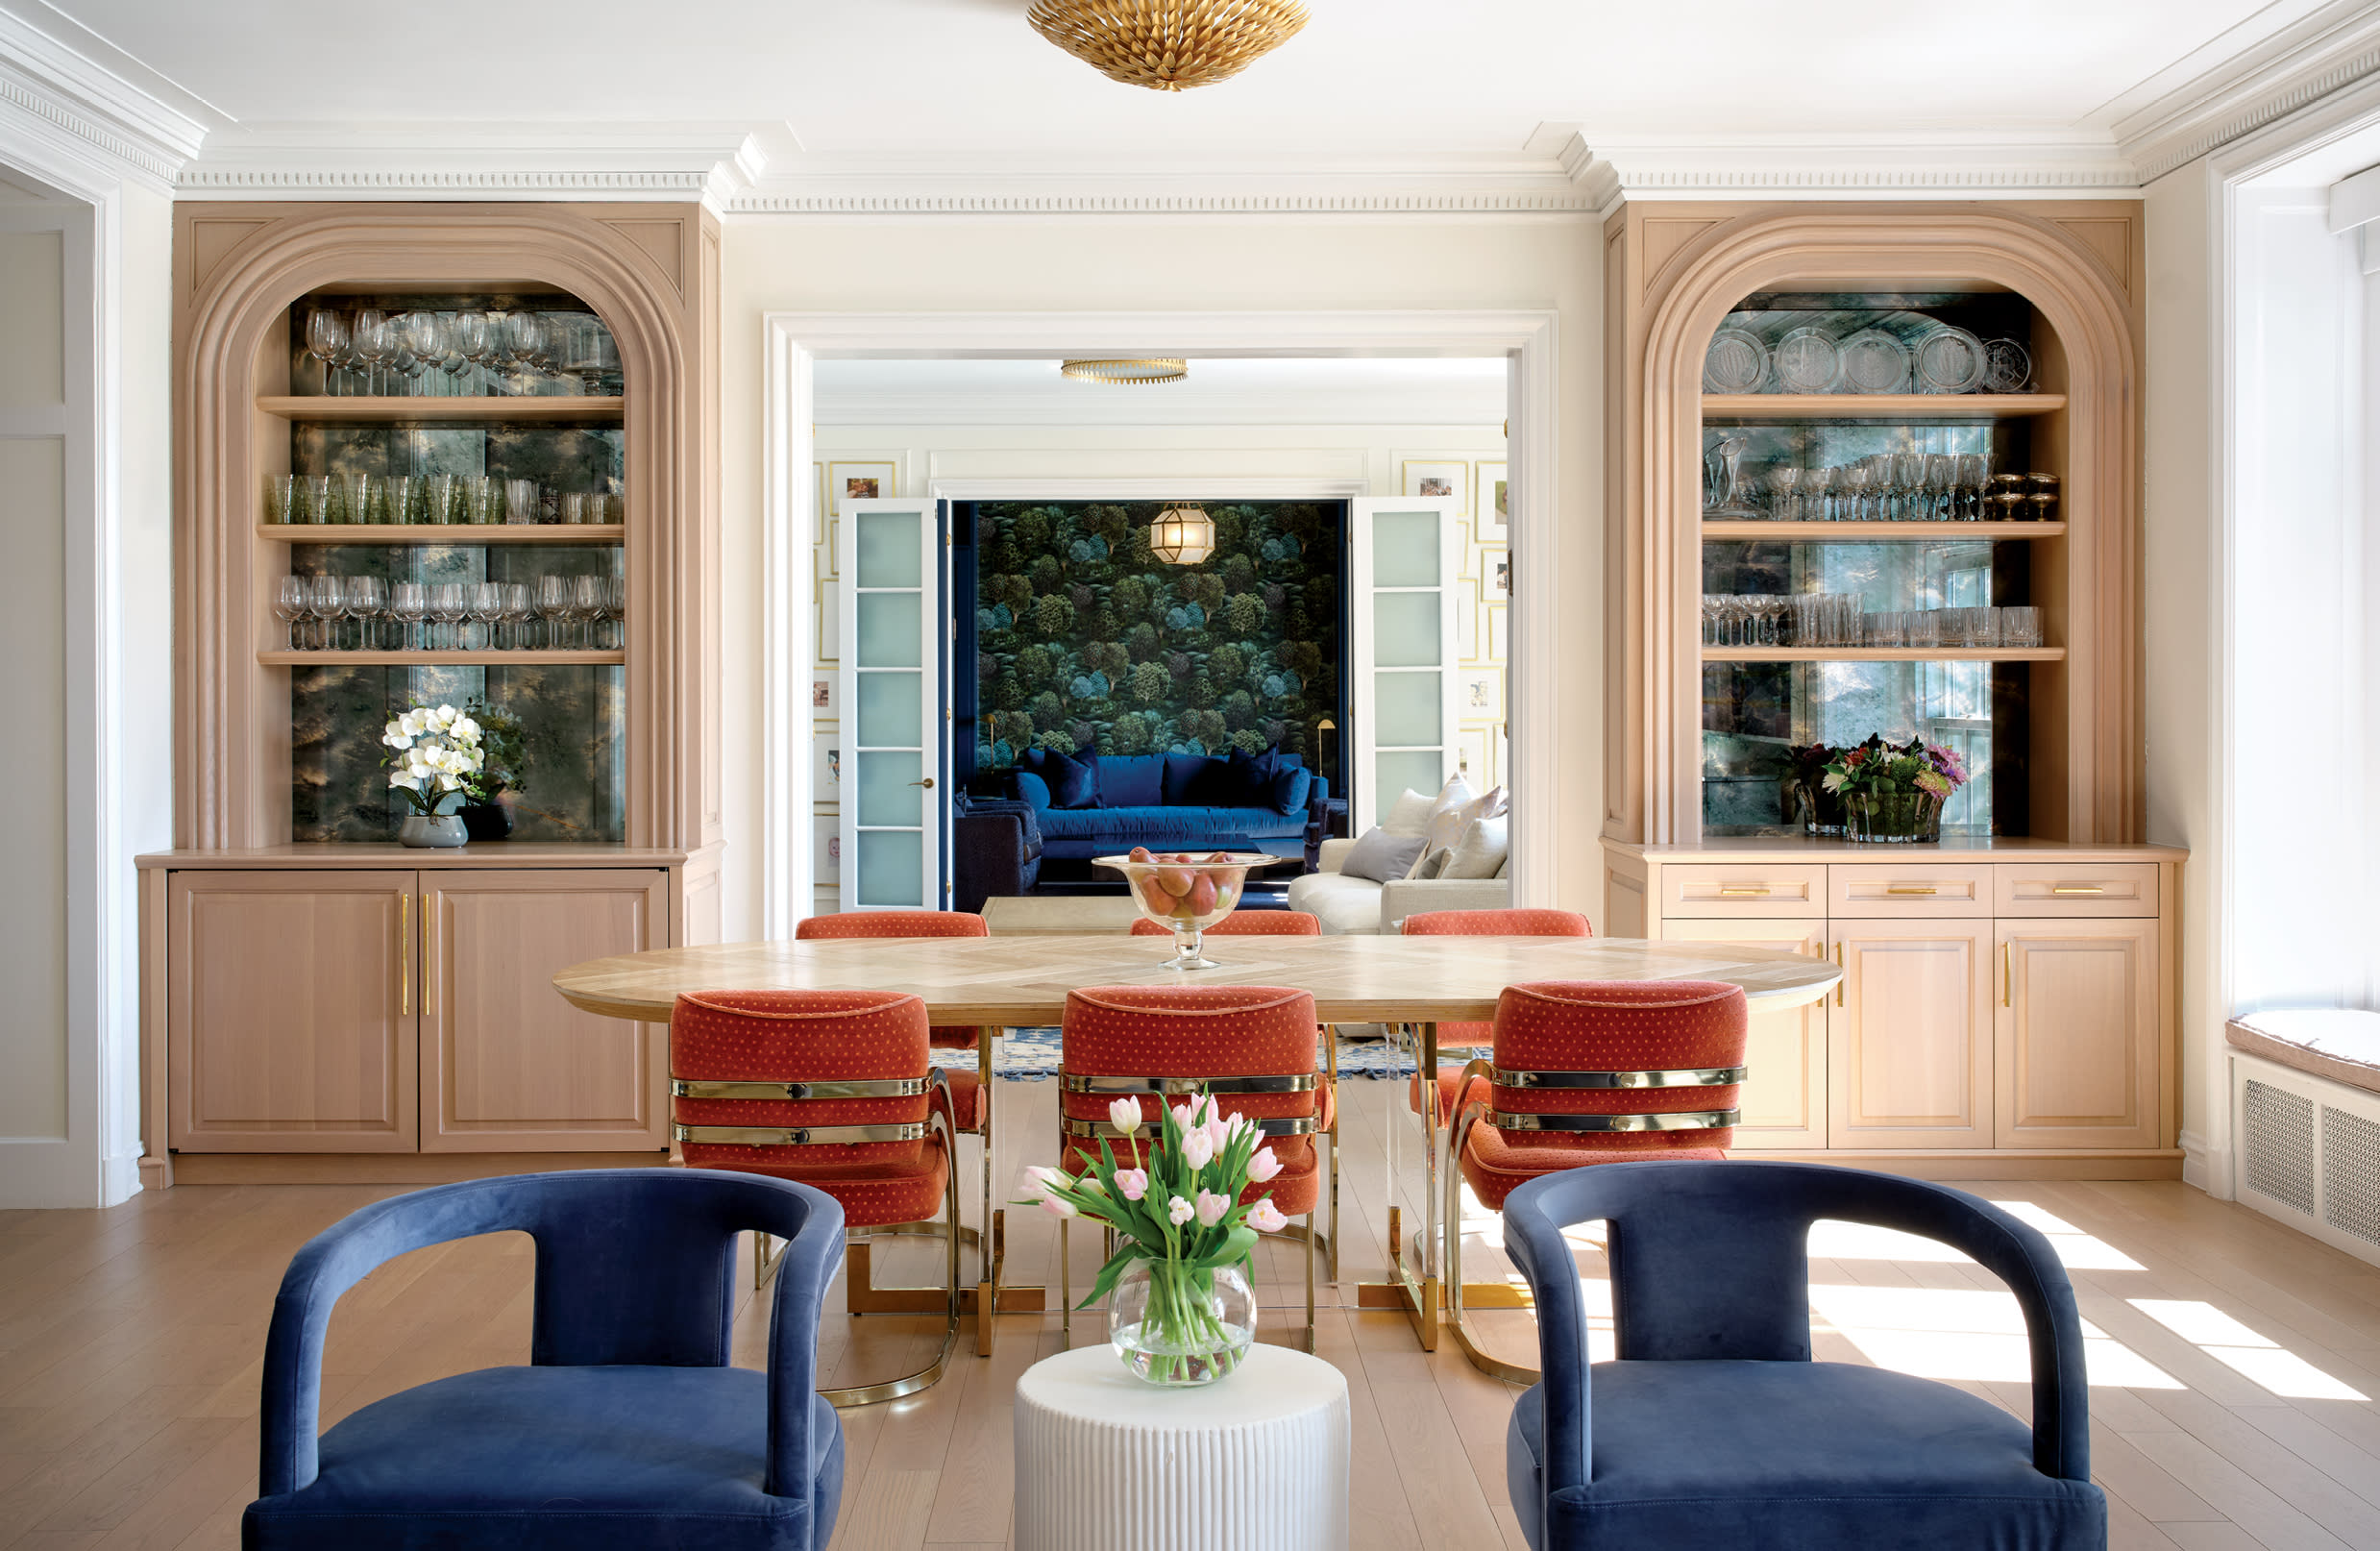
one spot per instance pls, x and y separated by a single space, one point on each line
1183 1312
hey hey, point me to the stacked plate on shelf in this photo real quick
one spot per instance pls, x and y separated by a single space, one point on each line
1809 360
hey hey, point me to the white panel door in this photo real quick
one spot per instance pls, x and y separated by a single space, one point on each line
1406 559
894 640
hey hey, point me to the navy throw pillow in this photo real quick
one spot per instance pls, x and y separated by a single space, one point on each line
1032 789
1195 781
1132 781
1074 782
1250 778
1291 785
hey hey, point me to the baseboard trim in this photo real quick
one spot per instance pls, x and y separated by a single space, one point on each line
2144 1163
387 1168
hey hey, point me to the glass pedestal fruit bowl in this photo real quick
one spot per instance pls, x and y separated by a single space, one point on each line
1187 893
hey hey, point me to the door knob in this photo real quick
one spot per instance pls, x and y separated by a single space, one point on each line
927 783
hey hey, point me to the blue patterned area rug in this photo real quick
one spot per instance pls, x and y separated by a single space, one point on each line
1028 1053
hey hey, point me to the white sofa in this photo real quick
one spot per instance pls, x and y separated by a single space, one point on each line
1357 906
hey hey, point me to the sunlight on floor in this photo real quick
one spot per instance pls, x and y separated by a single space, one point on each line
1944 1333
2242 1349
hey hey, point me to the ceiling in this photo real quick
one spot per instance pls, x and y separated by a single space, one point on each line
966 79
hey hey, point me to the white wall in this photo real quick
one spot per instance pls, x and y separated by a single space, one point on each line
1334 459
774 264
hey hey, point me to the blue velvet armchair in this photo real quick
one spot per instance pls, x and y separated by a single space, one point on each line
627 1429
1714 1427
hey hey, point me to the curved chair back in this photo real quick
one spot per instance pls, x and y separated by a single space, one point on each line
1711 1261
787 1082
1516 922
1615 1066
891 924
634 1267
1245 924
1252 1046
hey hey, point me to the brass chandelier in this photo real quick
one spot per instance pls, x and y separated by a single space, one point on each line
1137 370
1168 45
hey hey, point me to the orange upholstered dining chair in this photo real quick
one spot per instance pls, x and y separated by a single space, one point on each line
1587 1071
836 1090
970 1092
1251 1046
1287 924
1522 922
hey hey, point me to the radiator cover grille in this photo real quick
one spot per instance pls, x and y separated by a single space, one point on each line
2277 1142
2352 1174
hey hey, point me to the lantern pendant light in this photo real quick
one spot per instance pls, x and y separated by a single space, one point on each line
1182 535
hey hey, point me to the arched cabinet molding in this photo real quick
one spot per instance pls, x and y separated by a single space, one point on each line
1673 271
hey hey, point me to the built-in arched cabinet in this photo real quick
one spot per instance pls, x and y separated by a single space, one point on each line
447 455
1873 471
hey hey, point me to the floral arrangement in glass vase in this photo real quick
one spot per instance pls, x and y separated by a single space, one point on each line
1183 1311
1894 792
437 754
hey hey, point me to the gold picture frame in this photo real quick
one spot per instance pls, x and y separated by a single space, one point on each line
1437 479
1492 515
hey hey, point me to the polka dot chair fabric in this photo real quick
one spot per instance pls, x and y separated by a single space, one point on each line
1245 924
904 923
1612 1026
1520 922
814 1036
1199 1031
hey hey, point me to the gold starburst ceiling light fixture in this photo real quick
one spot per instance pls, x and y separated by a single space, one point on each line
1142 369
1168 45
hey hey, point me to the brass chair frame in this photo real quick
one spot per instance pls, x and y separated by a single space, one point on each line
1468 1112
1121 1087
942 1116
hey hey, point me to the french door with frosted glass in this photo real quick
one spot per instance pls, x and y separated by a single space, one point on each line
890 695
1405 556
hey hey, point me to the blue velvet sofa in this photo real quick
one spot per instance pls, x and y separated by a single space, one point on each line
1174 803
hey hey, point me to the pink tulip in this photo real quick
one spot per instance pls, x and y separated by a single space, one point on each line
1125 1115
1058 1206
1263 1165
1184 1116
1198 1149
1265 1217
1180 1211
1037 1179
1211 1208
1132 1182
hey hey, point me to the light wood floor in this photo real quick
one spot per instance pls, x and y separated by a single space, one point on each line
2232 1358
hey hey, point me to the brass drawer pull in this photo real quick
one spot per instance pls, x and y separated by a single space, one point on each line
1740 888
1911 888
1841 980
2075 888
2007 974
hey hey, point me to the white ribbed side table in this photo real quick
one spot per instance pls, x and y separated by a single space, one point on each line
1256 1461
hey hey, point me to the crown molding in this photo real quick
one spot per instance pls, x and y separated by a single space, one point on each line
1480 404
1608 168
675 162
2216 96
63 100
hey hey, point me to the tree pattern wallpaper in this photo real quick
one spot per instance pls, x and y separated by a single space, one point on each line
1086 640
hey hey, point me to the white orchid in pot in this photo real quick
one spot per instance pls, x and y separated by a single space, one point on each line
436 752
1183 1311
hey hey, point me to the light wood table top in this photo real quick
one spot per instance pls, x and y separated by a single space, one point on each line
1022 981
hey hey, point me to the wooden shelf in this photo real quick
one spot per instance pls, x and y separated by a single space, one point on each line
289 407
1883 653
1879 405
447 533
1869 532
437 659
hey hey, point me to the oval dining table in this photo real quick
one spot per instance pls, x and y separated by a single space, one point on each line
1022 982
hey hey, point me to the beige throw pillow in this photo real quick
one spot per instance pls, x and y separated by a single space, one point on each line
1411 816
1481 852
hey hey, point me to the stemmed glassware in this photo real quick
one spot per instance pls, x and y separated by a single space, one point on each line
366 598
586 606
326 601
290 604
517 612
486 606
408 601
326 340
374 340
552 603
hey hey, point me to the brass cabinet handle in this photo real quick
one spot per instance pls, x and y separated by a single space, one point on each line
1740 888
1911 888
2077 888
405 955
1842 982
2007 974
430 955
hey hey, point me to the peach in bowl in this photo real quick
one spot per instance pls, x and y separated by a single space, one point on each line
1186 892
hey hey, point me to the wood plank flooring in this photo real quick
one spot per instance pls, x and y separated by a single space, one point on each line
2236 1400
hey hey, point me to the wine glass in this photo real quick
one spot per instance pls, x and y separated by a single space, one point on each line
326 601
471 342
552 606
425 336
517 611
525 341
290 605
408 601
1786 482
586 606
366 597
374 341
1818 494
447 608
1853 481
1942 486
1909 474
326 340
486 606
616 609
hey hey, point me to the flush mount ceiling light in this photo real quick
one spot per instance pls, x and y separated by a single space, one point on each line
1168 45
1182 535
1145 370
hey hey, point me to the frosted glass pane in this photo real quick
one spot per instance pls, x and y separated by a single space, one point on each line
1404 549
892 709
889 550
1405 629
1408 709
889 627
1423 773
891 868
886 795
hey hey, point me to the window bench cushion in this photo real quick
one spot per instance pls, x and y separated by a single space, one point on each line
2342 1045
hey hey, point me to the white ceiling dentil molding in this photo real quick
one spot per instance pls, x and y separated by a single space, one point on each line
1909 166
2220 94
78 101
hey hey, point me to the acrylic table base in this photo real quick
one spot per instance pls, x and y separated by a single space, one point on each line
1255 1462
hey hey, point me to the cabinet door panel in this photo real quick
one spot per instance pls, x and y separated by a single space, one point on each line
1910 1056
2077 1033
507 1064
1784 1091
289 1024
